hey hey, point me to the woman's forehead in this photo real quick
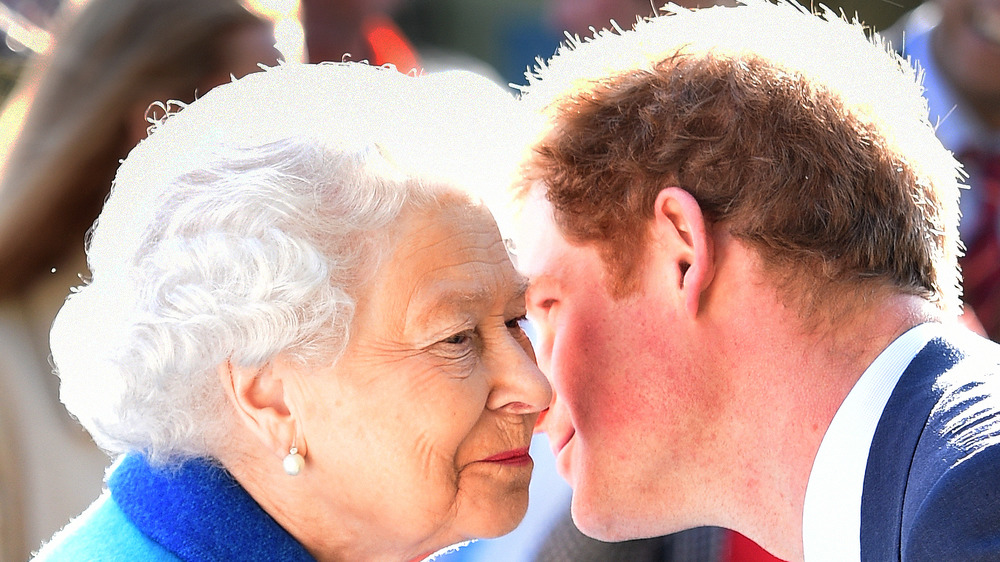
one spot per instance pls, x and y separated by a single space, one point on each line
450 257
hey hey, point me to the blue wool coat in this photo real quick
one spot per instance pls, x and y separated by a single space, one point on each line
197 512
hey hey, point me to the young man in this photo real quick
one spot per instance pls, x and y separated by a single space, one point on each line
741 234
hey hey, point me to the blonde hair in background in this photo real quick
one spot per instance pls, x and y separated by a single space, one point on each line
65 126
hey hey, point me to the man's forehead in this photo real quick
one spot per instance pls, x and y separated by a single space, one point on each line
537 236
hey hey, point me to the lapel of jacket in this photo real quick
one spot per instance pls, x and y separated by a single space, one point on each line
899 429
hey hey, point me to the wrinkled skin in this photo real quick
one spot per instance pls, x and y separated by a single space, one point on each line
421 429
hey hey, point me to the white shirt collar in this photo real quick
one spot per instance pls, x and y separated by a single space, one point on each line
831 518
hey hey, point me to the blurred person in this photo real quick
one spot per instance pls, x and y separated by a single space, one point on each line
366 30
580 17
956 43
740 232
308 329
75 114
358 30
525 40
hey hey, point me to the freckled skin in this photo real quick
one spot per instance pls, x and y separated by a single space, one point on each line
430 385
632 417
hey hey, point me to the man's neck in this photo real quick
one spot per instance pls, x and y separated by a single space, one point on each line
788 383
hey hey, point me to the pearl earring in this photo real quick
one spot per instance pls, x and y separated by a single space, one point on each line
293 462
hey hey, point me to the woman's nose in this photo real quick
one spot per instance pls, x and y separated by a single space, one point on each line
519 386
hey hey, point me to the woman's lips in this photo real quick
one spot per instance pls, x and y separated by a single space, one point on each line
514 457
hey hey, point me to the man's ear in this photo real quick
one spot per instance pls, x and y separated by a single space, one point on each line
260 400
678 224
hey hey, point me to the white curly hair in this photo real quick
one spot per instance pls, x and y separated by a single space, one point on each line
245 226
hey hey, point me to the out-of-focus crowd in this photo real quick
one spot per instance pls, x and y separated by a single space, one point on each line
82 79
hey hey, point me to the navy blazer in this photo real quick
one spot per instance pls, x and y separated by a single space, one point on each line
932 483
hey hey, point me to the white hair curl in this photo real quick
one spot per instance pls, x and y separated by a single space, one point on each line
244 226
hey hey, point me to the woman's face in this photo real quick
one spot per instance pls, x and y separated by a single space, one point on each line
419 435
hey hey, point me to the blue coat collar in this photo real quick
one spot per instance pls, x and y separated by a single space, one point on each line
200 513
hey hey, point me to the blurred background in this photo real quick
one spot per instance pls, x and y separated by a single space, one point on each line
506 35
509 34
75 85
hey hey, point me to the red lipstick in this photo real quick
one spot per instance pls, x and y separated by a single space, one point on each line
514 457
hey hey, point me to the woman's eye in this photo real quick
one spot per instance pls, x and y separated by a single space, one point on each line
518 322
460 338
460 346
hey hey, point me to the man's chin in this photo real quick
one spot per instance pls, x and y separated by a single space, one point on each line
596 520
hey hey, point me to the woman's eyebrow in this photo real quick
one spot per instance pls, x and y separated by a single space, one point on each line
520 287
458 294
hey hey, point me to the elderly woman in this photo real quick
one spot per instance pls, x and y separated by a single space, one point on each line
76 111
302 335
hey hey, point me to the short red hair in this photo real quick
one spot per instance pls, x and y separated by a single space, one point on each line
828 189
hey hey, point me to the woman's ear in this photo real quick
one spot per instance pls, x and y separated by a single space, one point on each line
260 400
679 225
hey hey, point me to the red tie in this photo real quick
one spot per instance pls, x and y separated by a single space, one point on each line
741 549
981 263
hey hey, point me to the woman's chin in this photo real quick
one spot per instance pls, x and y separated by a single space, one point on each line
497 522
